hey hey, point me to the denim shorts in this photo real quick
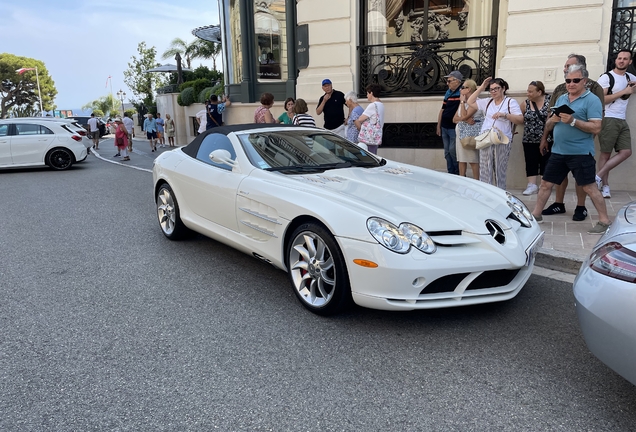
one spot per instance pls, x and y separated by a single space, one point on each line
583 168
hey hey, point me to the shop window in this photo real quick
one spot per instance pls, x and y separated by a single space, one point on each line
271 47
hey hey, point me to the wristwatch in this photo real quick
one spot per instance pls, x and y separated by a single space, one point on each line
573 122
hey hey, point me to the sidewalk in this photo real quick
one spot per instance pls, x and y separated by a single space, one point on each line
566 242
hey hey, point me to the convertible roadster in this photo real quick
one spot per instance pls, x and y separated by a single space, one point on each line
345 224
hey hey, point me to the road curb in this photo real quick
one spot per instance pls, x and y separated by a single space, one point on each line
560 261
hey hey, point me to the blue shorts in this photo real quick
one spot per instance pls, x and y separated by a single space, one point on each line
583 168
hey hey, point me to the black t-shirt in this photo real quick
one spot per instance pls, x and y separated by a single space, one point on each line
334 110
450 106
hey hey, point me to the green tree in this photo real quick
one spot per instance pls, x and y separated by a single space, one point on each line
141 83
21 90
107 104
182 47
206 50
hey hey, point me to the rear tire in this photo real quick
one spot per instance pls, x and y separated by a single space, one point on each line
169 215
59 159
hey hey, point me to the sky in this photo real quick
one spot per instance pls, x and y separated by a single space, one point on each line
83 42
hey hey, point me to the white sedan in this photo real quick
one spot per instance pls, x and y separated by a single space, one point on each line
37 142
344 224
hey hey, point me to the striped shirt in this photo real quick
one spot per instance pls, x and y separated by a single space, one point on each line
304 120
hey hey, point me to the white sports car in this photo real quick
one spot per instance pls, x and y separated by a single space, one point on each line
345 224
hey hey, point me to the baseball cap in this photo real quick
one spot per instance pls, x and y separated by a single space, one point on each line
455 74
326 81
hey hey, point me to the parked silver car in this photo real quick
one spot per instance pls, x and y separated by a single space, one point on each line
605 292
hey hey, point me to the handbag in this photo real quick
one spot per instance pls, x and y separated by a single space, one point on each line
371 130
468 143
120 142
494 135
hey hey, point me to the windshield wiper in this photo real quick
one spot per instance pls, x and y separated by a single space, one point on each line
321 167
296 168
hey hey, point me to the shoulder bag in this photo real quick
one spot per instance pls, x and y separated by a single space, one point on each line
494 135
371 130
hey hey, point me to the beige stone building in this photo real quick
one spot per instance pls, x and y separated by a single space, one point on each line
287 47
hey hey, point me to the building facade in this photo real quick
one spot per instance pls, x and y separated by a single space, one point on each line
287 47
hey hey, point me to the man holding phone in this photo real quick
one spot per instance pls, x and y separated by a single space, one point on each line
618 85
558 206
573 148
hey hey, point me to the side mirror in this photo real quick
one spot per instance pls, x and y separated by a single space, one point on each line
221 156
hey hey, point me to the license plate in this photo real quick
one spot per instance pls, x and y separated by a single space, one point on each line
531 252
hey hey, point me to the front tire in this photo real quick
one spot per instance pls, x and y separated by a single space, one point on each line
317 270
59 159
169 215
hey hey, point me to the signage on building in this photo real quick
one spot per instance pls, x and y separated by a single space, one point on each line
302 46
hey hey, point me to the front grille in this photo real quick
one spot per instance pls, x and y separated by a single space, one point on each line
493 278
488 279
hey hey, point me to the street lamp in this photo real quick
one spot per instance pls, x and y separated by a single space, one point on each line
121 95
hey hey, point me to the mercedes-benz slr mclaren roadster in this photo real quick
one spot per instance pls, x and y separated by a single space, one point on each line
345 224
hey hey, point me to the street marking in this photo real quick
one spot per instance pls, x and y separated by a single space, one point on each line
554 274
97 155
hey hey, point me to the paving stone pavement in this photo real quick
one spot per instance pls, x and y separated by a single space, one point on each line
566 243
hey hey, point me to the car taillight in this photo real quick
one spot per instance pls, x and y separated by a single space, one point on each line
76 137
82 132
616 261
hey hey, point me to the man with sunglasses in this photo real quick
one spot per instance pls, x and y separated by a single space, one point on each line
558 206
576 120
445 124
615 134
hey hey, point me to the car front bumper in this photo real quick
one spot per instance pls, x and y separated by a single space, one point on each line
606 310
456 276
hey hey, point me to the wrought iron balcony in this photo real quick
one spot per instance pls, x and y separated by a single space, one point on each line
622 34
418 68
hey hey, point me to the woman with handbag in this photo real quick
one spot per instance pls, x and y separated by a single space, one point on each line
501 114
121 139
535 113
468 122
371 121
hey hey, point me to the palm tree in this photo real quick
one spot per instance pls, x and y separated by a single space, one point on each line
182 47
206 50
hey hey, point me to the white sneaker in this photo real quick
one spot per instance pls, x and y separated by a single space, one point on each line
599 182
606 192
531 189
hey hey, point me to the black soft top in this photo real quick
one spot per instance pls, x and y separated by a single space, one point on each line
193 148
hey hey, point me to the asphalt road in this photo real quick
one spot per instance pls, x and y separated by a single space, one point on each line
107 325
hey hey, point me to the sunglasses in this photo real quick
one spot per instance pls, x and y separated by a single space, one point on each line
573 80
494 89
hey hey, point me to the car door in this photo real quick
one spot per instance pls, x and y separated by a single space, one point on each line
29 143
5 145
210 190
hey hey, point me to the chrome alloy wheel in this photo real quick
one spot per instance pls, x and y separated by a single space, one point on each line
312 269
166 211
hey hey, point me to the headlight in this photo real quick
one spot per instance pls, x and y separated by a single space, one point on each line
520 210
400 239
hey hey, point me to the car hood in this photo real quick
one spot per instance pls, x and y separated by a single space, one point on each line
403 193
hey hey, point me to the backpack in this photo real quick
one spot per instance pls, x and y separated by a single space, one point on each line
612 81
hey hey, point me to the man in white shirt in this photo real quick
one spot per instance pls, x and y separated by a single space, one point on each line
93 128
202 119
618 85
130 126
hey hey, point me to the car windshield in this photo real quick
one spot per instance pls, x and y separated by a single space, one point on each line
292 151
